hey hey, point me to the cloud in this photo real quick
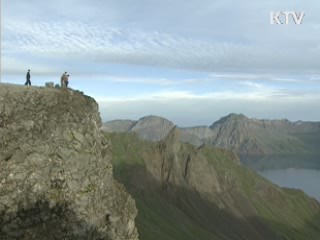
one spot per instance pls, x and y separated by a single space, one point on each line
266 94
252 84
11 65
274 77
187 109
137 80
256 68
96 43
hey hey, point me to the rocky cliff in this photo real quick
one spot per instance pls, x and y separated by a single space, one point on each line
56 177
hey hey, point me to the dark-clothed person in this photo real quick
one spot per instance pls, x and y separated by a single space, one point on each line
28 81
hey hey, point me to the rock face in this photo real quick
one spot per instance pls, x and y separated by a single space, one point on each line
253 137
151 128
196 135
118 126
56 177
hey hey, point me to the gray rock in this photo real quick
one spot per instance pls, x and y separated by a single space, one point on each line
49 84
56 178
118 126
150 128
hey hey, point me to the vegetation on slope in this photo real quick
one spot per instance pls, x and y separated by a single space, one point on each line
179 199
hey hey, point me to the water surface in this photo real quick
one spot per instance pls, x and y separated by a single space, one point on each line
307 180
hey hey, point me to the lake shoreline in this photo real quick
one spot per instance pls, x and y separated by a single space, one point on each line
304 179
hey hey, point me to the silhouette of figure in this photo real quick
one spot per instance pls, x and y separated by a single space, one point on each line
28 82
63 79
67 81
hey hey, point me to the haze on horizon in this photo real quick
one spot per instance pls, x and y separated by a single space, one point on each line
189 62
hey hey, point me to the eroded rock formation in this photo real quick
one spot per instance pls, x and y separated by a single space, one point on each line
56 177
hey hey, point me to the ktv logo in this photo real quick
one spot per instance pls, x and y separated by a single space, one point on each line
284 17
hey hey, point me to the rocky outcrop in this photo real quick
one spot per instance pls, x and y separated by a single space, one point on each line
151 128
253 137
183 166
197 135
56 177
118 126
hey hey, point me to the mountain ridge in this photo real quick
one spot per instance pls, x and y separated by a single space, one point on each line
247 136
151 127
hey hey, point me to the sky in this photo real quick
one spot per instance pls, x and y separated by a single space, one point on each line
189 61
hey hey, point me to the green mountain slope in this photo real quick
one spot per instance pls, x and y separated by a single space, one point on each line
184 192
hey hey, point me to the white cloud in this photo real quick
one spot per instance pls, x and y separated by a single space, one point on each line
252 84
266 94
11 65
97 43
187 109
138 80
248 78
233 40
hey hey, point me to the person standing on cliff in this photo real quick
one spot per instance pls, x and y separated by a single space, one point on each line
67 80
28 82
62 80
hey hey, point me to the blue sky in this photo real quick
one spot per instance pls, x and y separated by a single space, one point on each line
189 61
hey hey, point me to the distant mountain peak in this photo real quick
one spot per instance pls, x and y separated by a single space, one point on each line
230 118
118 125
237 132
153 118
236 115
153 128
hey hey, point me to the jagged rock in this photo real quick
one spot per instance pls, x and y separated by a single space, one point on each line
118 126
151 128
56 176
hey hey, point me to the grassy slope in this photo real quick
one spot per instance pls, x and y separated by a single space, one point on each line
291 209
289 213
157 219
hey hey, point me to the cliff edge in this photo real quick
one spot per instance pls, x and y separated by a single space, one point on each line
56 177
